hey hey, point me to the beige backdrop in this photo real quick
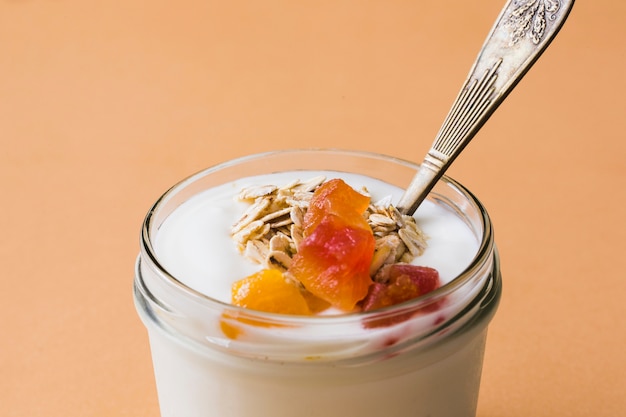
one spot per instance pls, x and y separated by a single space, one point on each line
105 104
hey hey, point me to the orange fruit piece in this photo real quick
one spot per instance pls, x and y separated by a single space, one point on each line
333 259
268 290
337 198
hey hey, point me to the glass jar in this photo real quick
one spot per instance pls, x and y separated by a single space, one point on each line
319 366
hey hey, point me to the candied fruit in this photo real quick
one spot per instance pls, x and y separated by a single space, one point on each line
333 259
337 198
333 263
400 283
270 291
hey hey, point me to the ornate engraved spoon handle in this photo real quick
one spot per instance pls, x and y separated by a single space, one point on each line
521 33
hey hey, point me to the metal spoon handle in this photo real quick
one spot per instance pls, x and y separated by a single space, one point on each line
521 33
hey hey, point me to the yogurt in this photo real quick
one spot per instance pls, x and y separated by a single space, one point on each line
428 364
194 242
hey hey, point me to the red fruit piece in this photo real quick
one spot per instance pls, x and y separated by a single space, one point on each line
333 262
426 278
400 283
333 259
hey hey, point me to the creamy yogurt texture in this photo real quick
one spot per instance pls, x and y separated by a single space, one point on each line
194 243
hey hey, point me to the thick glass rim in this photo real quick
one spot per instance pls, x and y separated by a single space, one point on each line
482 255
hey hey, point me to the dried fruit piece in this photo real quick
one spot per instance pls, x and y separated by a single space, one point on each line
334 258
398 283
333 263
337 198
269 290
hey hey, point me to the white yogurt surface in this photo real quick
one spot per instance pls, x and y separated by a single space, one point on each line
194 243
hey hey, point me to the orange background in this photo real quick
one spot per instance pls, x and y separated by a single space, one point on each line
105 104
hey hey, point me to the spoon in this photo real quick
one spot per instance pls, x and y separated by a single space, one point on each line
519 36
